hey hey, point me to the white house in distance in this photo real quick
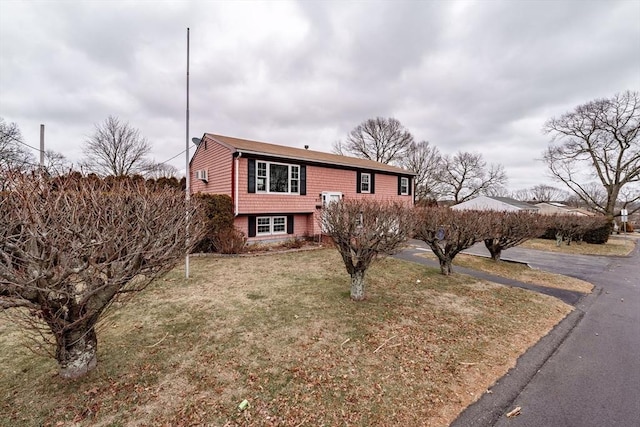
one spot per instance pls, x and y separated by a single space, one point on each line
552 208
499 204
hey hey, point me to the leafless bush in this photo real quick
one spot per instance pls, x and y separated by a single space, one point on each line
448 232
363 230
229 241
509 229
71 246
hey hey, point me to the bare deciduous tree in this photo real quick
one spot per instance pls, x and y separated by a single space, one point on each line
509 229
116 149
424 160
465 176
541 193
71 246
364 230
160 170
448 231
13 153
547 193
382 140
601 136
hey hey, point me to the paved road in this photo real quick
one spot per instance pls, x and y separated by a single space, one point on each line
586 372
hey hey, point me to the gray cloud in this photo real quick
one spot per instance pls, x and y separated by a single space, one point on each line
466 75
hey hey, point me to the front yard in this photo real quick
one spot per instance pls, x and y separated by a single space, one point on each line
617 245
281 332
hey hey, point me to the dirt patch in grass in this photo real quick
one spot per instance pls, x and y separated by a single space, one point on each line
281 332
615 246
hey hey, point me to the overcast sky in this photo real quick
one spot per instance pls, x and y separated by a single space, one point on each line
480 76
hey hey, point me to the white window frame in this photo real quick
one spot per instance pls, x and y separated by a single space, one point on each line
404 186
362 182
259 177
291 171
272 224
328 195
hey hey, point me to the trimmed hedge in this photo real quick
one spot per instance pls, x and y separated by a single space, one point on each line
598 235
594 230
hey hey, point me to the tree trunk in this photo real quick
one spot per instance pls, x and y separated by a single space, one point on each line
445 266
494 249
357 285
76 352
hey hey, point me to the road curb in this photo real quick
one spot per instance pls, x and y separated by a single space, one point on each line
498 400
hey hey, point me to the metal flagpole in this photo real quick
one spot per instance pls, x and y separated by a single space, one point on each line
187 172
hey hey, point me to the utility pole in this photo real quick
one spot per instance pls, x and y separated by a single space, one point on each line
41 146
186 170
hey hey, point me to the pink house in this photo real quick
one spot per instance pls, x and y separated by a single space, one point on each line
278 191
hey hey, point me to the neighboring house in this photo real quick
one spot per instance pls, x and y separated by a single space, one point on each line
500 204
553 208
278 191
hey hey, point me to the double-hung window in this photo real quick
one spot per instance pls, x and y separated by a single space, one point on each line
365 183
261 177
404 186
267 225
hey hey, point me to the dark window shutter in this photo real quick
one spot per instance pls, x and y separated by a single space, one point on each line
251 187
358 181
372 185
409 179
399 185
289 224
252 226
303 180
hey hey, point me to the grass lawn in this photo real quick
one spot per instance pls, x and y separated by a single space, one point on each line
281 332
522 273
616 245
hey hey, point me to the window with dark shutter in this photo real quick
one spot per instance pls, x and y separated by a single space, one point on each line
358 181
289 224
373 183
251 184
303 180
252 226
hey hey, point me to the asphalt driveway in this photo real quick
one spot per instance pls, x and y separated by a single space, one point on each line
586 372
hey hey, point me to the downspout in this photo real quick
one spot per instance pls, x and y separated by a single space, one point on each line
237 195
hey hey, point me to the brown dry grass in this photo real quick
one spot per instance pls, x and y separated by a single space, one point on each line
615 246
516 271
281 332
523 273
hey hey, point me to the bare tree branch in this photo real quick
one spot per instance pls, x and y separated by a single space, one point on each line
364 230
600 136
71 246
116 149
465 176
382 140
448 231
509 229
424 160
13 153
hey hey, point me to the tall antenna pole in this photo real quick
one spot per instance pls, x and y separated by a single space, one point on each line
41 146
187 171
